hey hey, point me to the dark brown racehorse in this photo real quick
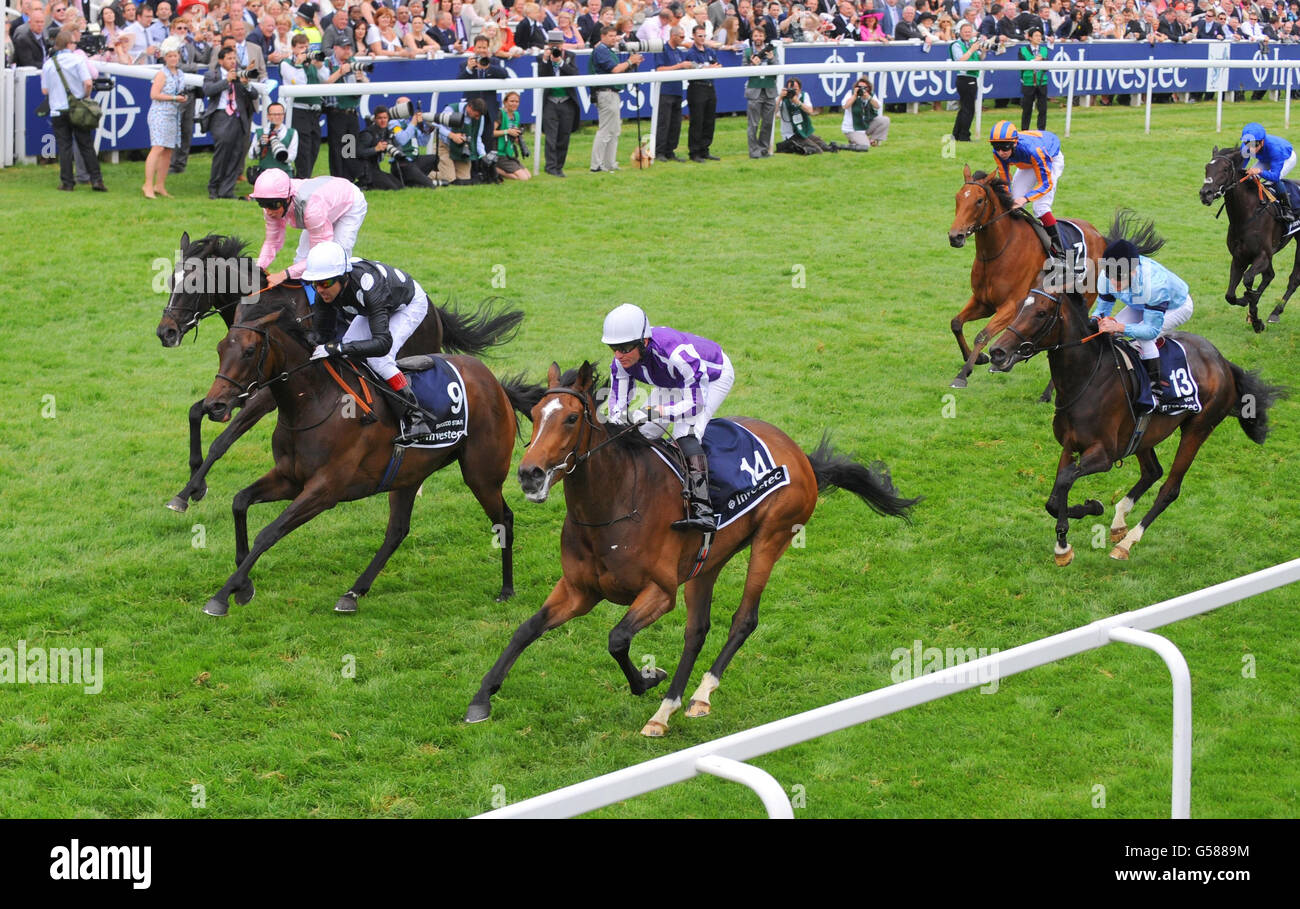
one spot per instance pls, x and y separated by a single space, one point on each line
1008 260
216 273
324 454
617 545
1094 422
1254 234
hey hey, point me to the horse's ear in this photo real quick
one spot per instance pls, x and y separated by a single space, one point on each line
584 377
185 241
553 375
1215 153
965 169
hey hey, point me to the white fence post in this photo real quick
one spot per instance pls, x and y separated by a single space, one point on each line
768 789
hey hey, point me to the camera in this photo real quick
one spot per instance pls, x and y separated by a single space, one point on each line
651 46
404 110
316 57
250 73
762 53
363 67
557 53
790 91
484 62
279 151
102 84
450 119
490 159
92 44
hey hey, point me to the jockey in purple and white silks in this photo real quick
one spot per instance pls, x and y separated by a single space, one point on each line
689 377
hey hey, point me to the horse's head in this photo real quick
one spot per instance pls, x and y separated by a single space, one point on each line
212 274
250 353
979 201
564 421
1222 172
1039 323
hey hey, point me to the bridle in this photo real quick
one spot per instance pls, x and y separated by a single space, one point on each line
1029 347
976 227
258 381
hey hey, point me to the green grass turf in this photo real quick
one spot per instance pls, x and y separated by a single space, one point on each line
255 707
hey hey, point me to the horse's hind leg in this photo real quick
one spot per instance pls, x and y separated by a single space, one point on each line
259 405
767 548
699 602
1190 443
400 503
487 489
1151 471
1292 283
564 603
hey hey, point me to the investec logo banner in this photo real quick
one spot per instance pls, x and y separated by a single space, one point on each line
23 665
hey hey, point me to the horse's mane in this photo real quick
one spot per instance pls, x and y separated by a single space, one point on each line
629 442
221 246
997 184
1126 225
282 304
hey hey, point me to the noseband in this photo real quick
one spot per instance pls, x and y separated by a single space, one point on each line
1029 346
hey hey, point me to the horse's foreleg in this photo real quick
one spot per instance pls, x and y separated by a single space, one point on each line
1234 278
564 603
1188 446
649 605
1046 396
1001 319
272 487
259 405
1292 283
400 503
969 312
699 603
1263 270
1093 460
1151 471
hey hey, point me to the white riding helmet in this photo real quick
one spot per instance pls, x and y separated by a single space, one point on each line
326 260
625 324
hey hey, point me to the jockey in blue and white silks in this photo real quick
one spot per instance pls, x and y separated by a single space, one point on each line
689 378
1274 157
1155 300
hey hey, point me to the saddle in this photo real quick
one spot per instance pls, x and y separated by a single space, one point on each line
1071 233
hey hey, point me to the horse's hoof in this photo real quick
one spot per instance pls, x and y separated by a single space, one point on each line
346 604
1092 506
958 383
1064 558
1118 533
1119 553
178 504
1257 325
217 607
654 729
505 594
244 595
477 713
650 678
981 359
698 709
1274 318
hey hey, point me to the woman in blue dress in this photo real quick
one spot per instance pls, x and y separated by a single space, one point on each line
168 95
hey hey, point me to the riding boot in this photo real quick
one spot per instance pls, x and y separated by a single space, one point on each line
414 422
1159 386
1058 248
701 519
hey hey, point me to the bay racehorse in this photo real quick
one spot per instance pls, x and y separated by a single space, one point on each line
617 545
1095 421
1008 260
216 272
1254 233
324 454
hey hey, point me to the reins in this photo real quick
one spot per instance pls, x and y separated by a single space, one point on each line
975 228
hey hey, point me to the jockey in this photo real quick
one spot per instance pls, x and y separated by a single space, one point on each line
1275 158
385 306
325 208
1155 303
689 378
1039 162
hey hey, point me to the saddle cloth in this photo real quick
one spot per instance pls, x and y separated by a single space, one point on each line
439 388
741 472
1183 395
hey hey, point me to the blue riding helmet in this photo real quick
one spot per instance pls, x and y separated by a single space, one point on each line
1251 133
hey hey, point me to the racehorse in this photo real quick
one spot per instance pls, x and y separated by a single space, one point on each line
1008 259
325 455
1254 235
217 273
1094 417
616 543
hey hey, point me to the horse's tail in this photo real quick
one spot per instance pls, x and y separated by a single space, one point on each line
1254 398
1127 225
870 484
474 333
523 396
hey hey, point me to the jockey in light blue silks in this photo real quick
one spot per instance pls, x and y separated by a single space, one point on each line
689 377
1274 158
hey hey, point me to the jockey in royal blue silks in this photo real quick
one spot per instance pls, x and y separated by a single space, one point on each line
1274 158
689 378
1155 302
1039 163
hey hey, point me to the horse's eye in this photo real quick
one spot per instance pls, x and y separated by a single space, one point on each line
571 419
249 351
979 201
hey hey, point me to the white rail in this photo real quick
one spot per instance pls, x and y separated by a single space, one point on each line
1129 627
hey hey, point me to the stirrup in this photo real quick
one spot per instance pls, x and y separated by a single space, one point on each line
697 522
413 431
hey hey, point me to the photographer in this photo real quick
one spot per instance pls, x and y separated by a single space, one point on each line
409 133
229 120
966 48
796 123
304 68
760 95
274 145
64 74
481 65
341 112
604 61
374 146
509 141
465 142
560 108
865 126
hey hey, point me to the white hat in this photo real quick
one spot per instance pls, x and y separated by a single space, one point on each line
325 260
171 44
625 324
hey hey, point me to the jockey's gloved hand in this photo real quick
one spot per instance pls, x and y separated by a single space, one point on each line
326 350
320 352
1094 325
